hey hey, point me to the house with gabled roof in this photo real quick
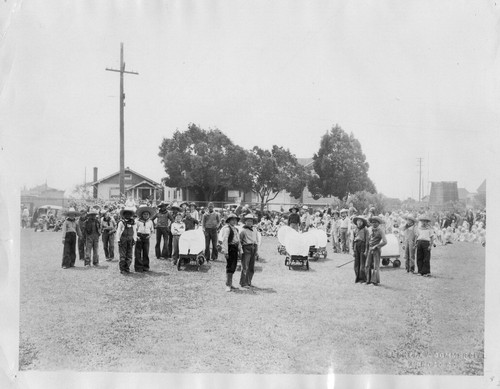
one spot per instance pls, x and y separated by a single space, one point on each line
137 186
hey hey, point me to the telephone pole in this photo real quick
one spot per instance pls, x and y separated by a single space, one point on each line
122 124
419 179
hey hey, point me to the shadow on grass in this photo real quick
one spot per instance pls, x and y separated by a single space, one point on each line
302 268
156 273
264 290
390 268
195 268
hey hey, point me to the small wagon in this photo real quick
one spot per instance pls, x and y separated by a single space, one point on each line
390 252
297 247
317 243
191 248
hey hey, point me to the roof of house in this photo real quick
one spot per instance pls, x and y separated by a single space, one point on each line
482 187
143 182
306 162
462 193
127 170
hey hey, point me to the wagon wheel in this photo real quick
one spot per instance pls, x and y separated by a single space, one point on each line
200 259
286 261
385 261
396 263
179 260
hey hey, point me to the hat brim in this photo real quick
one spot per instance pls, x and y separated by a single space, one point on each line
72 214
376 219
141 210
424 219
297 208
356 218
127 210
175 208
231 218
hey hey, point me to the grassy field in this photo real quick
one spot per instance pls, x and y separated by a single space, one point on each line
295 321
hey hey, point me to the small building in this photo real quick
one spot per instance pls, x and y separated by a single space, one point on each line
443 193
137 186
42 195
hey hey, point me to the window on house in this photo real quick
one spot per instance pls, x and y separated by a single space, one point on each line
127 177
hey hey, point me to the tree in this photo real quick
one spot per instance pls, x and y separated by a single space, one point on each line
206 161
82 192
363 199
272 171
340 166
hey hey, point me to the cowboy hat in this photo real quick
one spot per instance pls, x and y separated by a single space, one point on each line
163 204
295 207
72 212
424 218
411 217
192 204
232 216
94 210
305 207
175 206
377 219
249 216
343 210
363 219
335 211
184 203
127 209
145 208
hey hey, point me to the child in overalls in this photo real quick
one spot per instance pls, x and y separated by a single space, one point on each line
177 228
92 232
127 236
425 240
359 248
376 241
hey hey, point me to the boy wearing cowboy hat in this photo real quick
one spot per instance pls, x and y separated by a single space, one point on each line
70 229
410 240
425 240
230 247
177 228
343 230
359 248
376 240
108 235
294 217
163 221
194 212
249 240
127 236
210 224
145 228
82 239
335 230
173 212
92 232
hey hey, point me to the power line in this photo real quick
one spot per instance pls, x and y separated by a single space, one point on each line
419 179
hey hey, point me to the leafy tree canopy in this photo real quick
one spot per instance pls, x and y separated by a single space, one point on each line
206 161
340 166
272 171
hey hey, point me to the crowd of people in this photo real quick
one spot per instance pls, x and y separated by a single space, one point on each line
132 225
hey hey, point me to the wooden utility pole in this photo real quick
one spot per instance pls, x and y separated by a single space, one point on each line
122 124
419 179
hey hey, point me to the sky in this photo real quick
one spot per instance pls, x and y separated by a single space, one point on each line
413 79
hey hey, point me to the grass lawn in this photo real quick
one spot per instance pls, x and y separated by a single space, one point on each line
296 321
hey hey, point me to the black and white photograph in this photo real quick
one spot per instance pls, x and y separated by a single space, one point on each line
249 194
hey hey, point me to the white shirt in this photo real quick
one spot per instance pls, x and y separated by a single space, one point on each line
145 226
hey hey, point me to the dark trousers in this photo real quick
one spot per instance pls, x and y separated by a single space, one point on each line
92 246
359 260
162 232
211 236
169 244
409 256
81 247
372 268
108 242
69 252
175 247
247 264
343 240
423 257
125 248
232 259
141 254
